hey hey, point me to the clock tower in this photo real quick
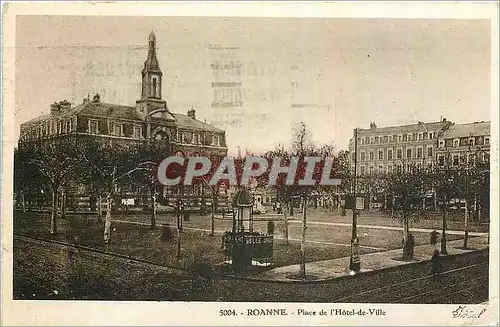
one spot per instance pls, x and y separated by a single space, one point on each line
151 102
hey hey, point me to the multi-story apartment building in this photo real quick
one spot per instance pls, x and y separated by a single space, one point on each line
149 120
464 143
383 149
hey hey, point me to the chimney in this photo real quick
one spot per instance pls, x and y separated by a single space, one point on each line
192 113
373 126
64 105
97 98
55 108
444 120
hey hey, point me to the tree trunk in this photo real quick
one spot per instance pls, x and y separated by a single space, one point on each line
53 216
107 222
443 234
99 207
435 201
178 243
466 227
203 201
475 208
406 229
479 213
285 217
23 202
153 213
302 273
212 219
393 204
63 203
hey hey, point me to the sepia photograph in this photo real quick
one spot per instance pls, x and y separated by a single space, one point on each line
252 161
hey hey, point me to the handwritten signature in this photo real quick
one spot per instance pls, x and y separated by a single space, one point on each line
463 312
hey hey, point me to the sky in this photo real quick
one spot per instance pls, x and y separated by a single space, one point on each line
349 72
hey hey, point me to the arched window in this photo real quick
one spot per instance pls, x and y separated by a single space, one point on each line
154 87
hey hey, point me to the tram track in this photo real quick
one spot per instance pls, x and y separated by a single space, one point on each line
425 289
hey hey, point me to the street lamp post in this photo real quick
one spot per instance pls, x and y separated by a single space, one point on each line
443 236
354 262
448 185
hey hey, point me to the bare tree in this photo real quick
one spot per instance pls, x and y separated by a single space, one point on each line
302 147
408 187
106 164
143 169
56 161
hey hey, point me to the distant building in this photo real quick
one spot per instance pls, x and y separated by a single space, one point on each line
464 144
150 119
384 149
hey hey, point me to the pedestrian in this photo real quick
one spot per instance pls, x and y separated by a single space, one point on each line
434 237
435 263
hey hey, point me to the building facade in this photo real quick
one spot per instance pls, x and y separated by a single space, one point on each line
149 120
384 149
464 144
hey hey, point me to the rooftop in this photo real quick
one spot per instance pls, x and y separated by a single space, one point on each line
469 129
401 129
120 112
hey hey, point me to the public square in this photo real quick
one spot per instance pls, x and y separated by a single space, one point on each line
151 262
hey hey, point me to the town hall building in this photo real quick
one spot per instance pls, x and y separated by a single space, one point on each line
149 120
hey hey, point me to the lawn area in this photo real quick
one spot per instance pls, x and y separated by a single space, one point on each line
140 241
369 237
432 221
59 273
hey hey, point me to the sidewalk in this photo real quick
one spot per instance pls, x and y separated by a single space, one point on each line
327 269
424 230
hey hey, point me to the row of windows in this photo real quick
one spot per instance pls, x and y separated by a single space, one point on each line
463 159
50 127
464 141
398 154
381 169
397 138
195 138
116 129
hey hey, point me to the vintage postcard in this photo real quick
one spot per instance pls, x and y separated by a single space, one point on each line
250 163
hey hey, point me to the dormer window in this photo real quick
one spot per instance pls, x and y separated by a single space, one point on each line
216 140
487 141
456 143
137 132
93 127
116 129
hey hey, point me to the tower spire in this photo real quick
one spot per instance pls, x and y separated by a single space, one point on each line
151 73
151 64
151 101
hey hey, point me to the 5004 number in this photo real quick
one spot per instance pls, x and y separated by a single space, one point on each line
227 312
